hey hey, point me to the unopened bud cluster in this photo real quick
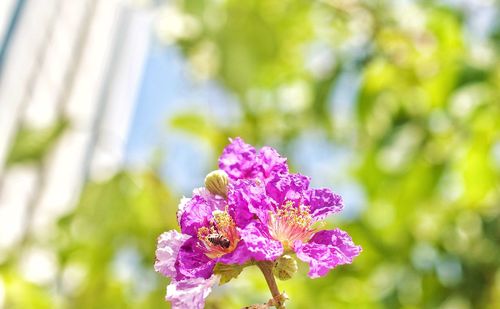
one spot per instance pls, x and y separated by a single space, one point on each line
285 267
216 182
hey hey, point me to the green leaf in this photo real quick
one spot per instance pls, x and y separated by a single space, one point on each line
228 272
198 125
32 144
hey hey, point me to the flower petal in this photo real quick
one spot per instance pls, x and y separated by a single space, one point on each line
238 159
212 200
198 210
255 243
271 163
326 250
290 187
192 261
167 250
323 202
247 199
241 161
190 293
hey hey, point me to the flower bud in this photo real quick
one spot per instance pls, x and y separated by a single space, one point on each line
285 267
216 182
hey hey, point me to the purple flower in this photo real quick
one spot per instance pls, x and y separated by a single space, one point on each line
262 211
288 210
209 233
294 221
325 250
241 161
190 293
167 250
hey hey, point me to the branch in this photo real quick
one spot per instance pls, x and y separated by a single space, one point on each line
266 268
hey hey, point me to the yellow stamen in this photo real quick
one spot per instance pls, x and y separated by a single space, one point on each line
291 223
222 225
222 219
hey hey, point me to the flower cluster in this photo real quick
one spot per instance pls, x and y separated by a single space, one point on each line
252 210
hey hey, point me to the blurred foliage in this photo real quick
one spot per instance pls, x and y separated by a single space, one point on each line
409 87
422 121
107 231
31 145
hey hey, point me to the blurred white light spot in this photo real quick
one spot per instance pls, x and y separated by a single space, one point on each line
294 97
41 111
451 186
204 60
482 55
409 16
439 122
18 186
38 265
172 25
72 277
319 59
467 99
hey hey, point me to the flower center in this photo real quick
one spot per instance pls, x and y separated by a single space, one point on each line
290 223
221 236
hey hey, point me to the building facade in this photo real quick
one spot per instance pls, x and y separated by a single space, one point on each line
74 62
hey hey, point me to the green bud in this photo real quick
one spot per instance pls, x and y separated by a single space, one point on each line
216 182
285 267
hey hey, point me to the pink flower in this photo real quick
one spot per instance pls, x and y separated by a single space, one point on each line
288 211
188 258
262 212
241 161
190 293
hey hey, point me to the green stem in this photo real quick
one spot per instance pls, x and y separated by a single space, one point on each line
266 268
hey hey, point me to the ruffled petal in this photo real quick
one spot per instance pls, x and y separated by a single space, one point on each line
198 210
323 202
271 163
192 261
326 250
190 293
182 207
290 187
241 161
167 250
247 199
238 159
256 244
212 200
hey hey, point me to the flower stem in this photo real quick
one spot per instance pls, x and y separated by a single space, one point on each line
266 268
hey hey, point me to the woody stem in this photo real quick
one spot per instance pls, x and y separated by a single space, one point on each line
266 268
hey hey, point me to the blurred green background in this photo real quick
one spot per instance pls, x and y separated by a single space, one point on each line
393 104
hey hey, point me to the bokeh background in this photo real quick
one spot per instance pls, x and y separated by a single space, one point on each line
111 110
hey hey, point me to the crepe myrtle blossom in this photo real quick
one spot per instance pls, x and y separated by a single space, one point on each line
251 211
209 235
241 161
288 210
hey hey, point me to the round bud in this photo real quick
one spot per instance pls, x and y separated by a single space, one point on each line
216 182
285 267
